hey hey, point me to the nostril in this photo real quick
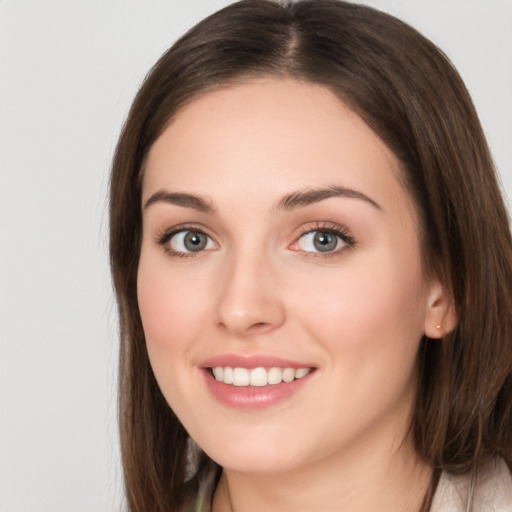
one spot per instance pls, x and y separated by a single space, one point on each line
258 326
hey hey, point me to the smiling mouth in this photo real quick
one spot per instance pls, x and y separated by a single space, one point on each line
257 377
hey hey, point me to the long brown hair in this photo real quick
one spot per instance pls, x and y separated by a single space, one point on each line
412 97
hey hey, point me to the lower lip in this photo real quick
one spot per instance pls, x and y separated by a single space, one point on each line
254 397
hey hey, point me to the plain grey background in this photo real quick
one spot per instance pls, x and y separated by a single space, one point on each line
68 72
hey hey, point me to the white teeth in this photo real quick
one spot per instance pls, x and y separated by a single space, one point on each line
275 376
257 377
218 372
227 376
240 377
288 374
301 372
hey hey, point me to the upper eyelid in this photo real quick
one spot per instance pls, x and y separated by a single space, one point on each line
179 228
321 226
325 227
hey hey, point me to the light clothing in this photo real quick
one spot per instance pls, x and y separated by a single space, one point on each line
492 493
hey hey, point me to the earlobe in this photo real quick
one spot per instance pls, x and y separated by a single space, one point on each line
441 316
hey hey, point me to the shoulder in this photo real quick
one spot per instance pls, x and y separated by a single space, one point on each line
492 491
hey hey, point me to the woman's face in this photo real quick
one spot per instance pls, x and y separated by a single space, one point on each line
280 252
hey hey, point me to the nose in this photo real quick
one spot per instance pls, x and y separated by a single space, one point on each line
249 301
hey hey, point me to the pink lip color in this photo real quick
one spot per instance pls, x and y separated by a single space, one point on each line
248 397
251 361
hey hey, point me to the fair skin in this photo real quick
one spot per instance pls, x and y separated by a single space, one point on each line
232 273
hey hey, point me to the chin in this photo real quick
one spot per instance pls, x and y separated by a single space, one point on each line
256 462
257 452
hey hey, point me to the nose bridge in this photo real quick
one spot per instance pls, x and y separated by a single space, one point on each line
248 299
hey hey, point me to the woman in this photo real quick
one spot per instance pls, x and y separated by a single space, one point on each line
312 262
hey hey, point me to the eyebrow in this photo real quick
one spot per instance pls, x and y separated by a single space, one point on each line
310 196
180 199
289 202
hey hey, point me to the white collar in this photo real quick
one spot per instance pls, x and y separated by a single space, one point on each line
492 491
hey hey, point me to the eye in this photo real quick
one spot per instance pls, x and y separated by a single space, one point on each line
185 242
323 241
320 241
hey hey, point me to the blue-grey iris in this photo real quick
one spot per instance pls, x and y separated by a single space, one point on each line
195 241
325 242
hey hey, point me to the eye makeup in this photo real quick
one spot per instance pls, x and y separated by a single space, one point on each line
315 240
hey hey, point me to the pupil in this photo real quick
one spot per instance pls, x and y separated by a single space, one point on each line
325 242
195 241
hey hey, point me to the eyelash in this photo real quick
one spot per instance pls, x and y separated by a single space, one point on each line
164 238
323 227
329 228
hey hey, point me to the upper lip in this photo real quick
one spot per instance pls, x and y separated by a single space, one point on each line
251 361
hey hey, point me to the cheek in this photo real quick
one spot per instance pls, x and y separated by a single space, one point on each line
368 305
171 312
173 321
157 307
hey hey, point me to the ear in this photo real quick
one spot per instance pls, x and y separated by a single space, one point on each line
440 316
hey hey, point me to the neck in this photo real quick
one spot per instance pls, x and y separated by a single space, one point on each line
375 479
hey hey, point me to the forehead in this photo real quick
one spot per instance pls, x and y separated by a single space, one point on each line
268 137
